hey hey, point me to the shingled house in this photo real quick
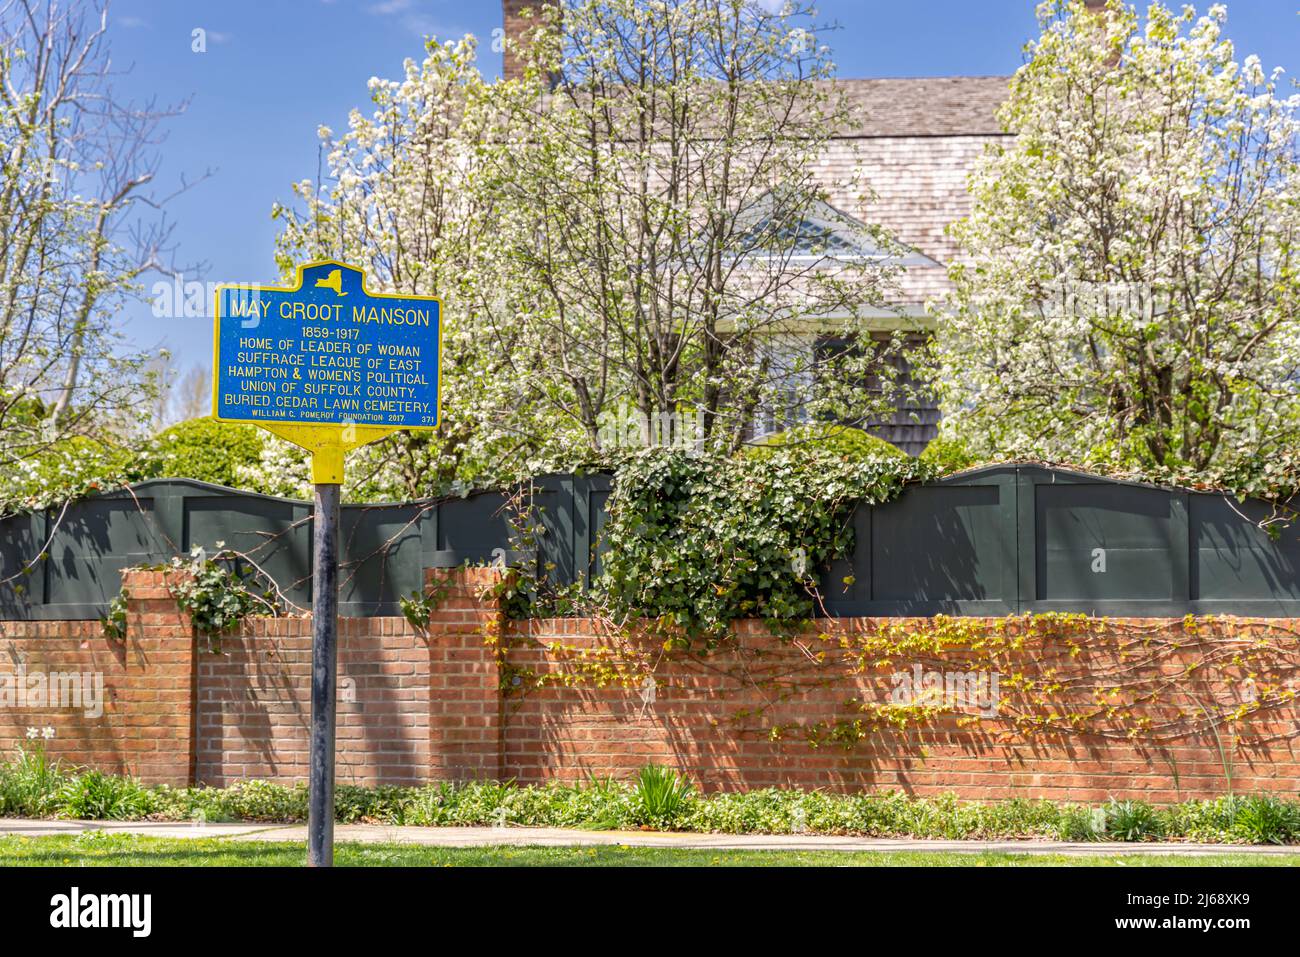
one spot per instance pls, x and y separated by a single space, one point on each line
914 143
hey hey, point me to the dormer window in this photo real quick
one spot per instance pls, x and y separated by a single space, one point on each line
808 230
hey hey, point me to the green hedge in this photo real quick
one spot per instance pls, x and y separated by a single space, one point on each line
842 440
948 455
204 449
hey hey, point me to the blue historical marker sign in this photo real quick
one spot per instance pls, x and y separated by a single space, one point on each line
325 352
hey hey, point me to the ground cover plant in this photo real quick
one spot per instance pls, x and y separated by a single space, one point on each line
659 799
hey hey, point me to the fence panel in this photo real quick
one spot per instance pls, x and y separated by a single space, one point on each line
22 581
382 549
1236 565
1101 547
273 533
944 548
994 541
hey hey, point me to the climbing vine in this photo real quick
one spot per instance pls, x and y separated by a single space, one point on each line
696 542
216 592
419 606
1148 682
693 544
113 623
1016 678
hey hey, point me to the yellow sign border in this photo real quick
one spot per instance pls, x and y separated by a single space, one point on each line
327 442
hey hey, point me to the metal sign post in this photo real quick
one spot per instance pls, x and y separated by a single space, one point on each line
328 366
324 668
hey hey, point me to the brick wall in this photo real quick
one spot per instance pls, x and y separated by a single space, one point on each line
254 703
427 704
713 718
414 705
147 725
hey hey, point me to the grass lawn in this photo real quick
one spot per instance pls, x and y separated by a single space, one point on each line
97 849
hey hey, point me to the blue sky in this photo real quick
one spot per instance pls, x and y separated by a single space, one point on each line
274 70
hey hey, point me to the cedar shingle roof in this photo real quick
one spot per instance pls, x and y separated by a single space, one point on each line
918 187
916 142
926 106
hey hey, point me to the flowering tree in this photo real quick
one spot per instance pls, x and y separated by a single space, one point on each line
397 197
77 230
655 194
1130 297
401 195
619 239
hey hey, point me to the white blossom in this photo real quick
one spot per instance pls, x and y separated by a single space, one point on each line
1129 293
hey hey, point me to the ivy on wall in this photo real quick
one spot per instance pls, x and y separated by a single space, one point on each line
695 542
215 590
1058 676
1149 682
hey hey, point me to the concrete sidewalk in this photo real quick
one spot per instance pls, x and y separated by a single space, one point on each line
565 837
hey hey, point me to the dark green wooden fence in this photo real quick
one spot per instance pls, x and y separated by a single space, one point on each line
384 547
1014 539
992 542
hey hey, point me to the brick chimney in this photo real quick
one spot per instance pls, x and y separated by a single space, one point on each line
1099 7
515 23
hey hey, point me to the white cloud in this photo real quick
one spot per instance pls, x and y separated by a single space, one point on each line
413 20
